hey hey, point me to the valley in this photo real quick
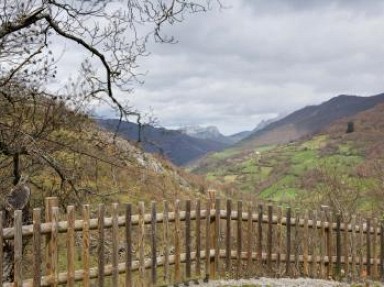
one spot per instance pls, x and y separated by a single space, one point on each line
330 167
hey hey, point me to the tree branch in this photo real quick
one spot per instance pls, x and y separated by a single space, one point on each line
10 27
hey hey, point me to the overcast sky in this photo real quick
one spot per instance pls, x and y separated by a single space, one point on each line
261 58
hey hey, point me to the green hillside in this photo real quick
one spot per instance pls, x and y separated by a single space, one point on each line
61 152
342 170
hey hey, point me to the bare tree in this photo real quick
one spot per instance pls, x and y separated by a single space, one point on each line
113 35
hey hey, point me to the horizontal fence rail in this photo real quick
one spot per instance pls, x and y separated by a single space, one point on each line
186 241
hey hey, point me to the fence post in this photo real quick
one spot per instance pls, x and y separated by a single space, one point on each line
198 238
279 239
228 237
36 247
305 242
368 247
213 222
188 243
382 250
260 239
86 244
322 245
249 241
18 247
115 243
207 242
296 245
217 238
353 247
338 246
374 249
141 245
177 243
50 202
313 245
330 245
288 253
239 238
269 239
71 246
361 240
153 245
128 245
1 244
346 245
165 241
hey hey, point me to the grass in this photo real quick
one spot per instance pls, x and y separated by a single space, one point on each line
294 171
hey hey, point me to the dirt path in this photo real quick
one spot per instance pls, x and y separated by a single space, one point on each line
285 282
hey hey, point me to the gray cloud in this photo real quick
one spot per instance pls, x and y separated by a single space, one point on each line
261 58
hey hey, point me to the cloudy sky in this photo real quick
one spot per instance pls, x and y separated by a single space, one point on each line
261 58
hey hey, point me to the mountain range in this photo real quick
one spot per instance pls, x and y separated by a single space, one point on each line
179 146
189 144
337 162
309 120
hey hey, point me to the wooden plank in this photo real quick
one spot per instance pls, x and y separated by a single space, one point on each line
128 246
323 238
249 241
306 244
153 245
239 239
216 270
37 260
86 244
71 246
338 246
228 239
346 246
374 249
353 247
50 202
188 244
288 244
207 241
313 246
166 241
198 239
141 246
259 251
18 249
269 240
368 234
177 243
93 225
279 238
54 242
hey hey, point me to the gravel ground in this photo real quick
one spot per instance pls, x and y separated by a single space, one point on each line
285 282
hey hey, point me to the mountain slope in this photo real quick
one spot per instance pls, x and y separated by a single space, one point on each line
332 168
59 152
311 119
175 145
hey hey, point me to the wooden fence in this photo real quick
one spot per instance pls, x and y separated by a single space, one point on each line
188 241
